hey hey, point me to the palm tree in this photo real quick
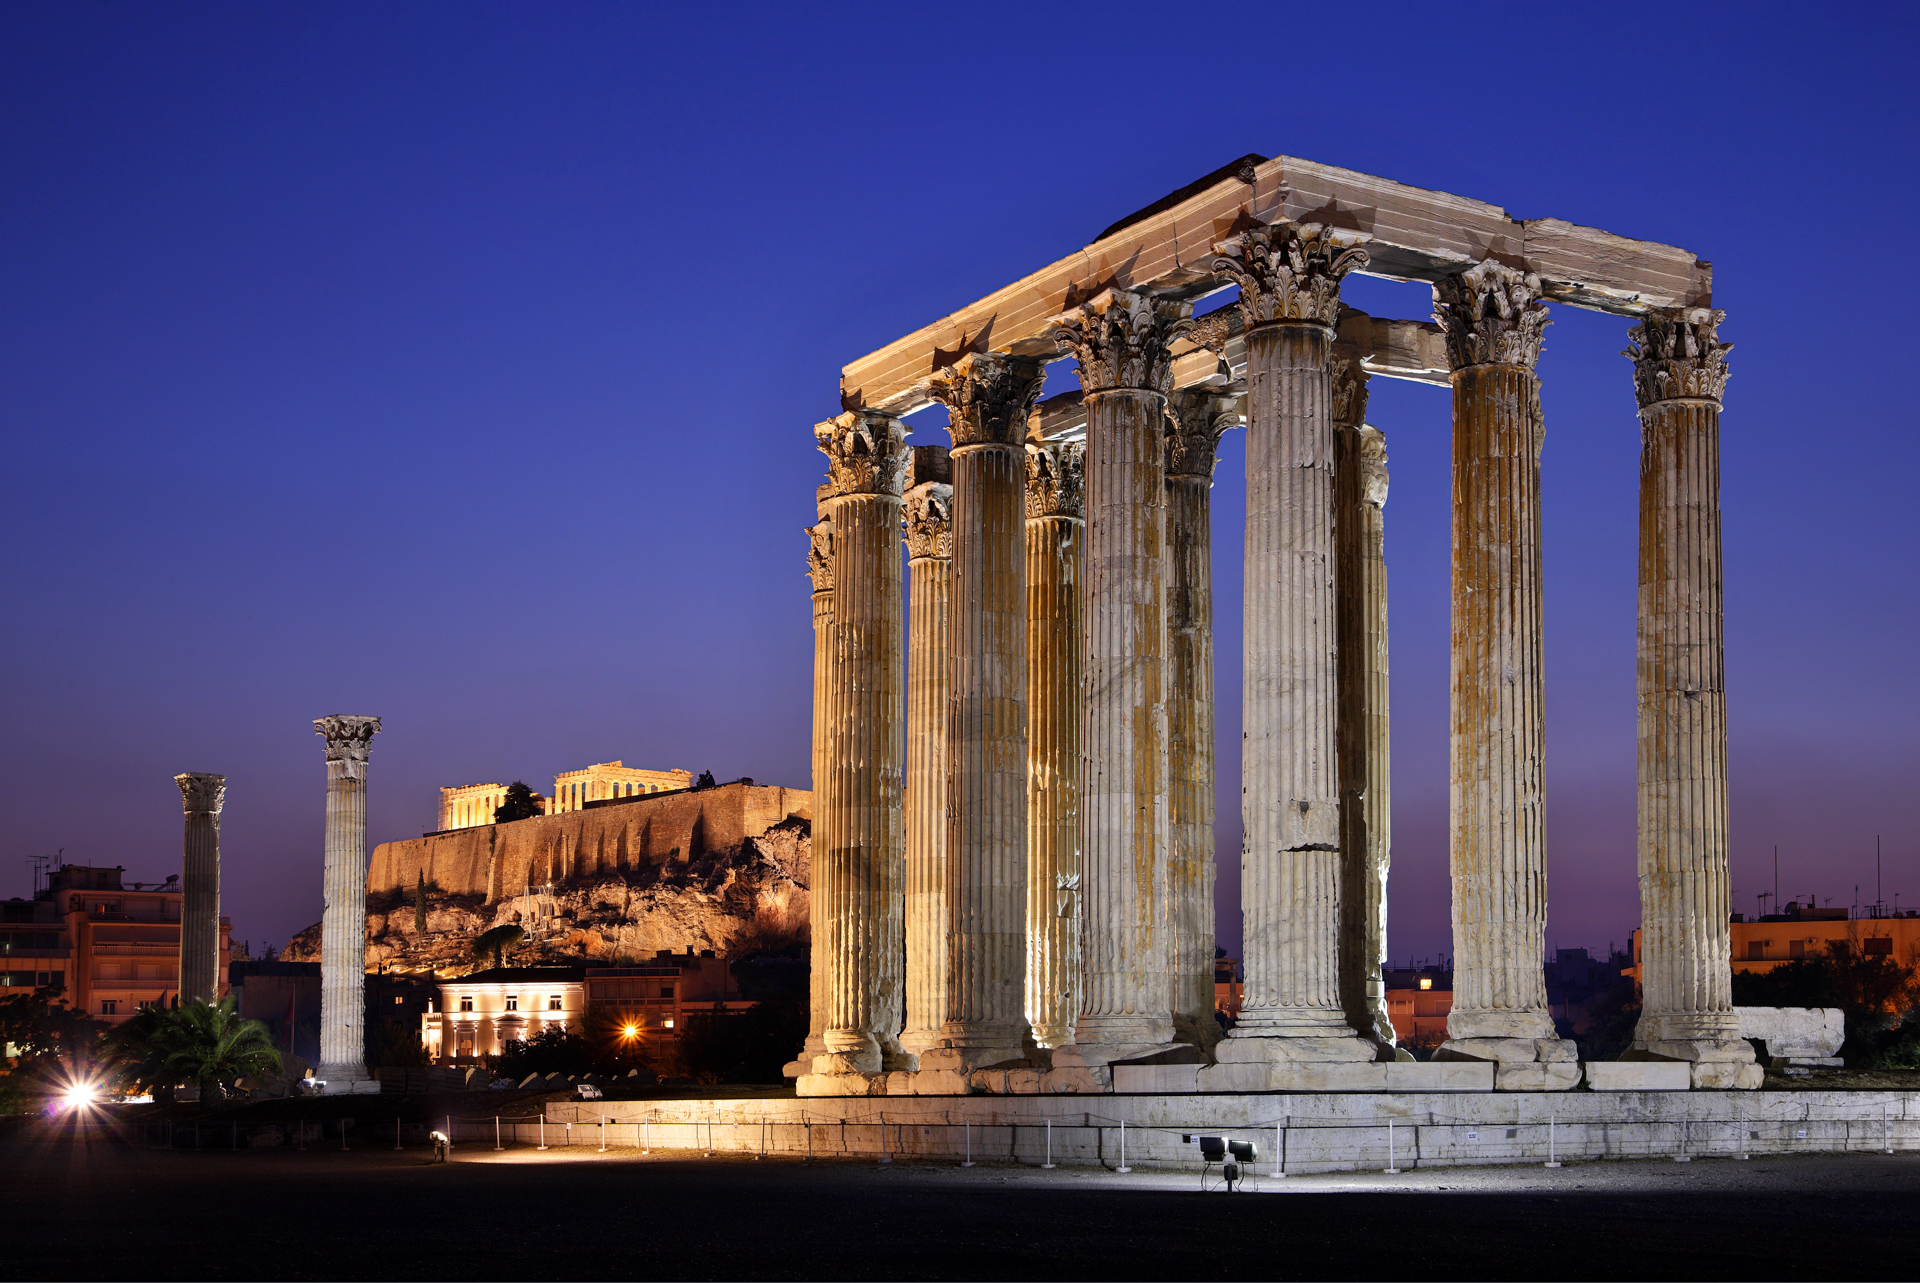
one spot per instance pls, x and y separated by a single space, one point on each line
134 1052
210 1043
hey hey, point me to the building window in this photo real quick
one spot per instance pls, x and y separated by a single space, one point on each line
466 1002
1756 951
666 991
109 1007
667 1023
1880 945
513 1002
1798 948
1426 982
553 1003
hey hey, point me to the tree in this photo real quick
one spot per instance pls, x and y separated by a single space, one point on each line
553 1050
498 942
134 1053
520 805
210 1044
49 1041
1878 997
420 904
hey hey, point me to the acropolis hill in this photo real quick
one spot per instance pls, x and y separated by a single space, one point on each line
621 878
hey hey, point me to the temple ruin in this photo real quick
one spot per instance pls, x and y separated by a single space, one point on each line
1013 758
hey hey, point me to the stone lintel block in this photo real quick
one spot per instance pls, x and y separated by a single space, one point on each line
1439 1075
1639 1075
1156 1079
1794 1031
1537 1076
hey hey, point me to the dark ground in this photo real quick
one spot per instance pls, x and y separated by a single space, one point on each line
98 1209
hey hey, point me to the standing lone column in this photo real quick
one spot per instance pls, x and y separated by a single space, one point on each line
1289 277
1056 479
1195 421
860 870
1360 594
1680 372
1121 340
202 796
929 517
987 399
1494 320
820 576
343 923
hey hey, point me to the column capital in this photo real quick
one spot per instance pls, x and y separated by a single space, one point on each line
1373 466
1121 340
1492 315
1195 421
1677 355
349 739
1289 271
866 452
987 396
1350 380
202 793
820 554
928 515
1056 479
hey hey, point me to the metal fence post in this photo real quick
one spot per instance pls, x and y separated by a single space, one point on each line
1123 1168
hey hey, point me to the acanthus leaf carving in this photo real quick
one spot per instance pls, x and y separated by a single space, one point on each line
1289 271
1349 392
349 741
928 517
1373 466
866 452
988 397
1056 479
202 792
820 554
1122 340
1492 315
1678 354
1195 422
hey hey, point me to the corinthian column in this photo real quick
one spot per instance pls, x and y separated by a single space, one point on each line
929 512
1360 596
1121 341
1494 319
1289 277
859 870
987 399
820 576
1680 372
202 796
343 923
1195 421
1056 476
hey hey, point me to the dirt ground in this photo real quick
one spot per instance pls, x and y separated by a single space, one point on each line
107 1210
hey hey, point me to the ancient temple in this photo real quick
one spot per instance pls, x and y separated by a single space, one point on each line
1013 762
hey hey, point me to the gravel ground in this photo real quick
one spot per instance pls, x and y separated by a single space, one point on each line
103 1210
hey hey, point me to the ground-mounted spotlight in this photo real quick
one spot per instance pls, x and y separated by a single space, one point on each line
1236 1159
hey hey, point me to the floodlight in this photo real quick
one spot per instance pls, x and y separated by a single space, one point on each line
1244 1151
1213 1149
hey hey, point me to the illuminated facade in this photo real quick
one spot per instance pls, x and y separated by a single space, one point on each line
466 806
478 1015
572 790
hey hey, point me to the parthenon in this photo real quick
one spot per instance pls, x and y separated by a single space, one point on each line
1014 864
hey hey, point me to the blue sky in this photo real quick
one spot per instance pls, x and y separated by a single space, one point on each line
457 364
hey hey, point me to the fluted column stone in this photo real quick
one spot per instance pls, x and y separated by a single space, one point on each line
820 578
1494 320
859 869
1680 374
987 398
929 531
343 921
1121 342
1289 278
1056 569
202 797
1195 421
1360 595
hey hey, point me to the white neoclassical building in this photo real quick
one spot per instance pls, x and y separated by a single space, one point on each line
479 1014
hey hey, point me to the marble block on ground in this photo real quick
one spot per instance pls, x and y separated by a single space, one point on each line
1639 1075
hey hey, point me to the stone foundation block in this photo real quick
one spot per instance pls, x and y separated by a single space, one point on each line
1724 1075
840 1085
1537 1076
1156 1079
1071 1080
1307 1050
1500 1049
1439 1075
1639 1075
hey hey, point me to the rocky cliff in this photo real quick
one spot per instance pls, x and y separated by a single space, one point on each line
604 885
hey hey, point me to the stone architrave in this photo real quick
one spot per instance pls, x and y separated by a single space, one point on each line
820 577
1360 595
929 521
1056 569
1121 341
202 796
1680 373
987 399
343 922
1195 421
1494 318
859 871
1289 278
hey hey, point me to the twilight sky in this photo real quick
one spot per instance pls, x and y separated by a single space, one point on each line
457 364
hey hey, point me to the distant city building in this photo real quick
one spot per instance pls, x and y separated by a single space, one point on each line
655 998
285 997
1419 1000
572 790
112 946
466 806
479 1014
1763 943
